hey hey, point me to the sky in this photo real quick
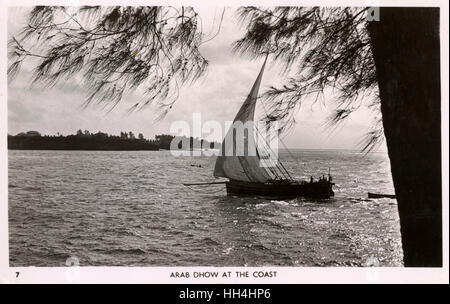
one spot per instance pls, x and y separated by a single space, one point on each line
216 96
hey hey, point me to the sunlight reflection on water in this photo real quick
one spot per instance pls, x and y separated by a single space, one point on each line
130 208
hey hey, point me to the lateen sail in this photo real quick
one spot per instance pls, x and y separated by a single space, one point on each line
243 168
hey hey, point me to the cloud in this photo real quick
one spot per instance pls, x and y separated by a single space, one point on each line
217 96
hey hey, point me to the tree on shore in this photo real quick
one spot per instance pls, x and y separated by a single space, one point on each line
394 62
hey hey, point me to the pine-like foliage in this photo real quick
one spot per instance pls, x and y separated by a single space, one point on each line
324 50
118 49
114 48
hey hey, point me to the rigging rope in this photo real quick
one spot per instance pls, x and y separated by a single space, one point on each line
282 142
282 169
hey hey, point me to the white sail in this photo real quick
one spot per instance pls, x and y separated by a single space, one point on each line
248 167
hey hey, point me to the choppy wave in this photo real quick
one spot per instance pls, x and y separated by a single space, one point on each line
130 208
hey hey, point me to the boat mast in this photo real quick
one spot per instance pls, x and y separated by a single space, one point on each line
279 165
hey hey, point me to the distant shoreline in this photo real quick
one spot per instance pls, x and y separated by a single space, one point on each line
86 141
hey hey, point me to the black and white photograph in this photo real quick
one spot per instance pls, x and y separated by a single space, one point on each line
273 137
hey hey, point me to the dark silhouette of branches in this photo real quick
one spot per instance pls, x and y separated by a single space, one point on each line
321 49
116 49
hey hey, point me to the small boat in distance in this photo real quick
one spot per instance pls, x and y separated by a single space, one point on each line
380 195
246 175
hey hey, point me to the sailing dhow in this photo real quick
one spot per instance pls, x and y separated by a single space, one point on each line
255 174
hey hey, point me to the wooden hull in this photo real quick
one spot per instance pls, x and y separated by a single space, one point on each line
285 189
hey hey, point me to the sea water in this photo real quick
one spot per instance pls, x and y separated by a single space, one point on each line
115 208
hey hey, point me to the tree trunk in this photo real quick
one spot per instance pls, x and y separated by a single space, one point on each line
406 50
